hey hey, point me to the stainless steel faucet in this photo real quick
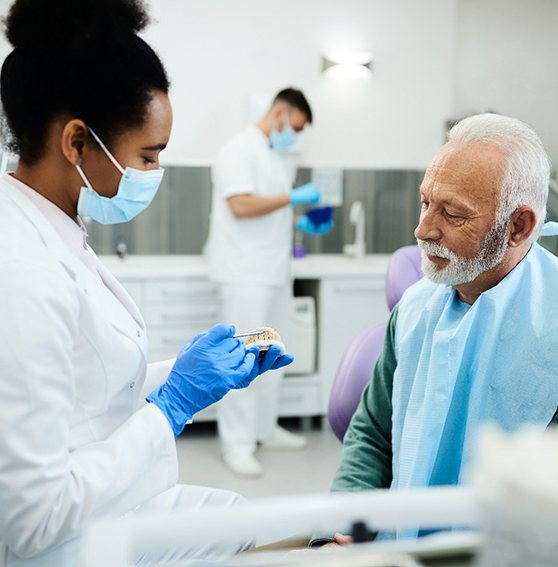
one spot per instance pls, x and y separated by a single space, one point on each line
121 248
356 215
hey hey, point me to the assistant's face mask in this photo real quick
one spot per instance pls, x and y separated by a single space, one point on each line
284 139
136 190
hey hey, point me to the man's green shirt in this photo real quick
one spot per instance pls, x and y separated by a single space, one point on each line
367 458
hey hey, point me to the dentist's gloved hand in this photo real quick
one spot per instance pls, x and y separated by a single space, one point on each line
204 371
305 194
272 359
304 224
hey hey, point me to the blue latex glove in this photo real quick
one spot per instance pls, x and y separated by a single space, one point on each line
204 371
304 224
305 194
272 359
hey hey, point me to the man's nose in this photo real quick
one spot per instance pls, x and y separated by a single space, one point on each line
428 227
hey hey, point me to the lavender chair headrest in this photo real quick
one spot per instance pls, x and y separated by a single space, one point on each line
356 365
403 271
353 373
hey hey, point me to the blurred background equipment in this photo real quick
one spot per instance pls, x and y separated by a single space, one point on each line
515 481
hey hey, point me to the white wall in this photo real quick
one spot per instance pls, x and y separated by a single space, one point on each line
435 59
507 61
219 52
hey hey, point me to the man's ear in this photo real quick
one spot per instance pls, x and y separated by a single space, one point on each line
522 222
74 135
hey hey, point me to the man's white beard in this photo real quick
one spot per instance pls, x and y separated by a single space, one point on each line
461 270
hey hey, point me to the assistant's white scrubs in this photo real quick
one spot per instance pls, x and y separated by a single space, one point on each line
78 441
250 258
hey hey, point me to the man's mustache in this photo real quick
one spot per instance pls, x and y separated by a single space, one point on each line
433 249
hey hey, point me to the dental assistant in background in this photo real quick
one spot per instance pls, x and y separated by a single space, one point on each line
88 428
249 251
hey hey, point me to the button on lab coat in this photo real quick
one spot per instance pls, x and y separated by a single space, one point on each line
77 440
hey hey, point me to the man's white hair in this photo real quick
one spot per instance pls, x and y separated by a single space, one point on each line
527 173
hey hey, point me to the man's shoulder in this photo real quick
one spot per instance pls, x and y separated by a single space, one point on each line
541 255
243 141
540 274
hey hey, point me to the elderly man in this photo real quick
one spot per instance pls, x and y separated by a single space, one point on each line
475 341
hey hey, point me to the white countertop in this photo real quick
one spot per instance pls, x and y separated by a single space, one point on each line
195 266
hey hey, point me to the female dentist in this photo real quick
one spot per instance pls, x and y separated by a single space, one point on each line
87 427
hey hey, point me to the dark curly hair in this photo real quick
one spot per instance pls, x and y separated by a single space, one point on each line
77 57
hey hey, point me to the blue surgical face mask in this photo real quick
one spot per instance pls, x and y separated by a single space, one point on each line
136 190
284 139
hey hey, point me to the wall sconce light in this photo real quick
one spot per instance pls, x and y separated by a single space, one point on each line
348 65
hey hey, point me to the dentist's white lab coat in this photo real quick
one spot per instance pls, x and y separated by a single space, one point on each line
77 439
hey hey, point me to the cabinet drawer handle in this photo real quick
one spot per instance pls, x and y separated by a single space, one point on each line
292 398
185 294
202 318
350 290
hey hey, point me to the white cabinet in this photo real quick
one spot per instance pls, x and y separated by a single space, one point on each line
346 306
185 290
300 396
175 311
177 301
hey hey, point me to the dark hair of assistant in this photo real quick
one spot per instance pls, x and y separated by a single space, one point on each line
295 98
81 58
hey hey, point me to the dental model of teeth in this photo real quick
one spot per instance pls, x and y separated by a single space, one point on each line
263 338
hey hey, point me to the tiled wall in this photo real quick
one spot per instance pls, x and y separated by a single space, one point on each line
178 219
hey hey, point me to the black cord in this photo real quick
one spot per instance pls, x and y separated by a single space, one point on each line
361 533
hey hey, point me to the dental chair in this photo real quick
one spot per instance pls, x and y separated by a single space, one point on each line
355 369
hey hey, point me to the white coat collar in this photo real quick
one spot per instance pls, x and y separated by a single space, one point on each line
129 323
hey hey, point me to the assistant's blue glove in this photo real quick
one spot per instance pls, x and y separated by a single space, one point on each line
304 224
204 371
272 359
305 194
